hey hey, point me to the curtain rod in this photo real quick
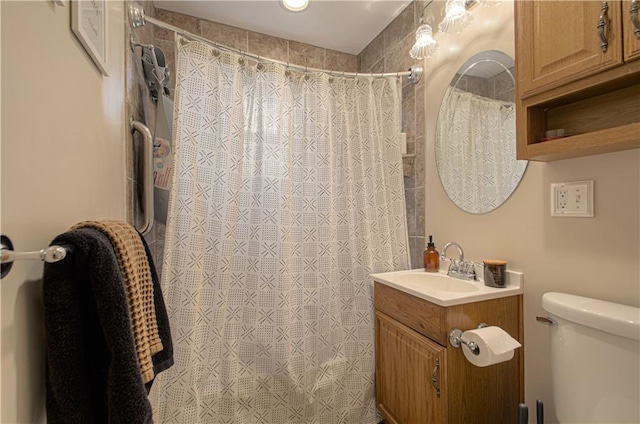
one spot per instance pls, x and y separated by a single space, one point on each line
137 19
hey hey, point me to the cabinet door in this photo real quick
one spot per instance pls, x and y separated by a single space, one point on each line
631 41
406 363
558 42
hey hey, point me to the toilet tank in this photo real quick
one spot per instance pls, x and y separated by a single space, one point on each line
595 359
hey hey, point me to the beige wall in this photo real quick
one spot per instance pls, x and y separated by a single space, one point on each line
596 257
63 159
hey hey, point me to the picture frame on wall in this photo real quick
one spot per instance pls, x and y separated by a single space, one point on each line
89 24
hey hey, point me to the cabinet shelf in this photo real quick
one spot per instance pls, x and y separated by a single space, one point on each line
596 142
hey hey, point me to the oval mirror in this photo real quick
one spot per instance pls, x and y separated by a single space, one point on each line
476 134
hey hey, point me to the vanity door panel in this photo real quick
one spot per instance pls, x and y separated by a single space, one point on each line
406 363
631 41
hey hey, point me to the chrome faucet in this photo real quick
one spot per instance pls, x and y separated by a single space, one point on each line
459 269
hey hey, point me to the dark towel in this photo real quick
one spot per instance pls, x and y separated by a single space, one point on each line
92 373
163 359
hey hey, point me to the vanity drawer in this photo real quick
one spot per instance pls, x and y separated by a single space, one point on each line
418 314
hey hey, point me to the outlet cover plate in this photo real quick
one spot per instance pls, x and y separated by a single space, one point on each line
572 199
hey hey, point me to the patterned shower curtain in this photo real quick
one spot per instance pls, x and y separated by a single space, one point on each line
287 193
477 162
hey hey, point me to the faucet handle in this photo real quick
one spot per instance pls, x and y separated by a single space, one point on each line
470 269
454 265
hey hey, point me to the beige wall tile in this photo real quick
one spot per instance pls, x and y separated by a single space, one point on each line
371 54
268 46
226 35
416 249
306 55
397 59
409 111
129 200
410 199
419 102
420 12
502 83
338 61
479 86
402 25
377 67
188 23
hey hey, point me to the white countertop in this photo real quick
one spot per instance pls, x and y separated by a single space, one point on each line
455 291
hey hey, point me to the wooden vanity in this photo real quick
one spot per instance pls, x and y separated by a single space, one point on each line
421 378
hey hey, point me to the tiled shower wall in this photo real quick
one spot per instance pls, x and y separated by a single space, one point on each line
389 52
142 108
251 42
498 87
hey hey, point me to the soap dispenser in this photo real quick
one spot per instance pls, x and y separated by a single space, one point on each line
431 257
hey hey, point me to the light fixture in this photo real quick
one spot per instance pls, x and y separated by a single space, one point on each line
295 5
425 45
456 17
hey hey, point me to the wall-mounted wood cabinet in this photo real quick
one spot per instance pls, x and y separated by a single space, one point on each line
421 378
631 30
576 70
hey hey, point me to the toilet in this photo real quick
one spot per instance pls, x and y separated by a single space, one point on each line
595 359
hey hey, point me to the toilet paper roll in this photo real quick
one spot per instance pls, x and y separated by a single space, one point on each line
495 345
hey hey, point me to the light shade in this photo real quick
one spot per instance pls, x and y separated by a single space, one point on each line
425 45
456 17
295 5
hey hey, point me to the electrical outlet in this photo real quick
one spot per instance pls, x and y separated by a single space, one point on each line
572 199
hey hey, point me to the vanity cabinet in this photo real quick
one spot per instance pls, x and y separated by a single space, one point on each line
409 390
421 378
566 80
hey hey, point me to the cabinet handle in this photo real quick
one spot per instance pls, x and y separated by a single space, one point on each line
633 14
602 23
434 378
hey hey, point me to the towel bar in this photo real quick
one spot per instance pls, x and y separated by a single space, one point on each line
50 254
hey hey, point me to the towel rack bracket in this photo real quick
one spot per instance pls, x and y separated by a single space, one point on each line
6 244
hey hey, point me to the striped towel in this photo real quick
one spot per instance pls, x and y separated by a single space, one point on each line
135 270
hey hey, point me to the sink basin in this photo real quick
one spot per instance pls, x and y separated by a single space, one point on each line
443 290
437 282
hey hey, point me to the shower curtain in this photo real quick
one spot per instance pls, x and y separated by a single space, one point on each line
477 163
287 193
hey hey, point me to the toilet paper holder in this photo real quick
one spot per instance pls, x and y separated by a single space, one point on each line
455 339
